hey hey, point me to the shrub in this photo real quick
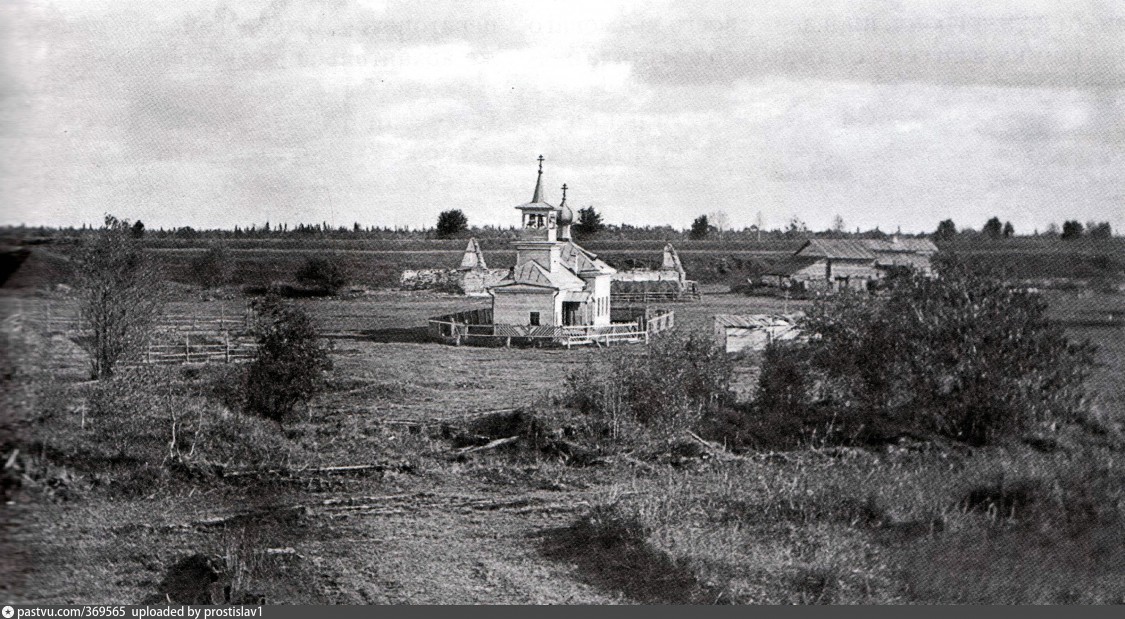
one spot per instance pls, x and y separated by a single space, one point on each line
324 273
213 267
667 388
290 362
961 355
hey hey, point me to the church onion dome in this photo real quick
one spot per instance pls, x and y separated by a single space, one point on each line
566 214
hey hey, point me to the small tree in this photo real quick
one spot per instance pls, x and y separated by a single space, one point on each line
119 295
1071 230
138 229
700 228
326 273
720 221
1009 231
451 223
993 229
290 364
946 230
796 229
213 267
589 223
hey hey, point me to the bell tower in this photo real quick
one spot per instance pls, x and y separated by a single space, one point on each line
539 225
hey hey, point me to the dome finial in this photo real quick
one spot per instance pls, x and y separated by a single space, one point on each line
563 203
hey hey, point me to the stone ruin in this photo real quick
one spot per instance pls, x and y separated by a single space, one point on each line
472 278
669 282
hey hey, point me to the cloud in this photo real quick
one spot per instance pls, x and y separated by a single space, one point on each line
1022 44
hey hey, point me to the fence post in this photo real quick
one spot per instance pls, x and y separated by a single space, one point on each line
187 348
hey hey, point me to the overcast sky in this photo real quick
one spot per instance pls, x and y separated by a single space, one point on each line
888 113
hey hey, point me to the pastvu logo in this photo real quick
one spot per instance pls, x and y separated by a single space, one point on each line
8 612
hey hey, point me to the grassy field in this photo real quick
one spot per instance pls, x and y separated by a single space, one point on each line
378 263
121 484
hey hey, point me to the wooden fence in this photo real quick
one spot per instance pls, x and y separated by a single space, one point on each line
690 292
216 334
474 327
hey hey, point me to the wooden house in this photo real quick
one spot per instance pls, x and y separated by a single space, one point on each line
554 282
841 264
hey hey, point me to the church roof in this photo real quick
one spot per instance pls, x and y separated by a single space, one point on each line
580 260
531 273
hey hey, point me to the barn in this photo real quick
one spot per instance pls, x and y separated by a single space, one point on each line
737 333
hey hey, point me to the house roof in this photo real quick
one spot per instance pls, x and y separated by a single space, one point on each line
899 244
864 249
837 249
756 321
790 265
531 273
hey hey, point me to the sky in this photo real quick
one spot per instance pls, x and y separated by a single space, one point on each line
888 113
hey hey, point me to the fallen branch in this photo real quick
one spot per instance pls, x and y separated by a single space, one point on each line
500 442
350 468
716 450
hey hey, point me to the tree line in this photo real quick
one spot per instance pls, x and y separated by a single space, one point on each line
589 224
993 229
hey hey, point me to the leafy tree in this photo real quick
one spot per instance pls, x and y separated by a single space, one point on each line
290 363
1100 231
700 228
1009 231
589 223
326 273
213 267
1071 229
946 230
451 223
962 355
993 229
838 226
119 295
139 229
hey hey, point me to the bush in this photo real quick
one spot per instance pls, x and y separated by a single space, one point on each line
324 273
290 363
961 355
667 388
213 267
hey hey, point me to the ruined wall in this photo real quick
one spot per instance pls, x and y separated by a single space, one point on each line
474 282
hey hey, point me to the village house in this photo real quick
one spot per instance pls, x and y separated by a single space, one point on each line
841 264
554 281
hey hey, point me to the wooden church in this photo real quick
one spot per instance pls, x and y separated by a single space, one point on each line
554 282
